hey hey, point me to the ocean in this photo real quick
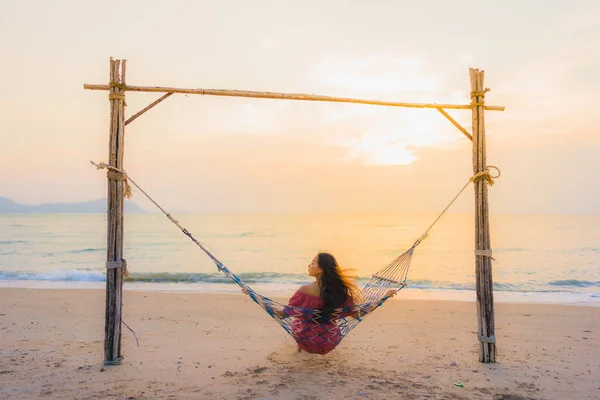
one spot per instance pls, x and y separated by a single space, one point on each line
538 258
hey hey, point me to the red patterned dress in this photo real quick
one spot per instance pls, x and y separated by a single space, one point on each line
314 336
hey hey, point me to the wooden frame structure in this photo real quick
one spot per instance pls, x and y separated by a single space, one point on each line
116 265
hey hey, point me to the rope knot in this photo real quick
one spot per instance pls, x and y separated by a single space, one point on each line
117 85
116 174
481 93
478 93
116 95
101 165
486 176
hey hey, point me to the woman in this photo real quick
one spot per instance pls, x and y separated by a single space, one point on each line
332 289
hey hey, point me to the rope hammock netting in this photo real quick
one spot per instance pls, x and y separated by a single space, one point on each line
315 330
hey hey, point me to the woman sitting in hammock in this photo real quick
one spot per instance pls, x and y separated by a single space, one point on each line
332 289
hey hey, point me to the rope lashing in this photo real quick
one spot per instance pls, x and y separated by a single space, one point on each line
485 175
123 173
116 96
485 253
486 339
115 264
482 93
112 95
117 85
116 174
119 264
478 93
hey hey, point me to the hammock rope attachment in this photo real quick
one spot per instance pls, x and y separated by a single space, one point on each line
314 330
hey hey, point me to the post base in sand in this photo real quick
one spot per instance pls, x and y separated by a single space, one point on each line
114 362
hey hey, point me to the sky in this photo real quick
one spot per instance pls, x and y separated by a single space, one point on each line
221 154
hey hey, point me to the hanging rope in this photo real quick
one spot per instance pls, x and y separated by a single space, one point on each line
483 175
314 330
116 175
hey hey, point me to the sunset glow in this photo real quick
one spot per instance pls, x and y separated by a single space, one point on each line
539 64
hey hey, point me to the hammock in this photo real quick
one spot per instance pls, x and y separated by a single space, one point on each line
317 331
314 330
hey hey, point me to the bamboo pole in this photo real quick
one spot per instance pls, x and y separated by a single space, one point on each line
286 96
483 262
148 107
114 255
455 123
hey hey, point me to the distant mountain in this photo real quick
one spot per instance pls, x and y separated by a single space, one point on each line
7 206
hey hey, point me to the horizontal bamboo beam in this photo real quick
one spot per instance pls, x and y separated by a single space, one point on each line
287 96
455 123
148 107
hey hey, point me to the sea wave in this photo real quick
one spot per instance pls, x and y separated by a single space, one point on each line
195 277
274 279
84 275
575 283
88 250
99 275
12 241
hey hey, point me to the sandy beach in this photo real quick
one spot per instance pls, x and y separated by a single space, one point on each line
219 346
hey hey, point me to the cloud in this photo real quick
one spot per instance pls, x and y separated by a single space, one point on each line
375 75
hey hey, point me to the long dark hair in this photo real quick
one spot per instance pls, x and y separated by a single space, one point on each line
335 286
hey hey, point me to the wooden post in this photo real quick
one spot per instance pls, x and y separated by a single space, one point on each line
114 256
483 260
